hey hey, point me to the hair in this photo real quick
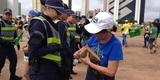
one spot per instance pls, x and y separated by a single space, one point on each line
34 13
20 27
86 21
114 28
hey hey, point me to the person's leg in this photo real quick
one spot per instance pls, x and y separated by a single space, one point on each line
26 69
42 75
124 42
12 57
151 45
154 46
2 58
64 68
145 40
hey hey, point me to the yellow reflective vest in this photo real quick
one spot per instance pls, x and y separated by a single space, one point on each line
55 39
7 32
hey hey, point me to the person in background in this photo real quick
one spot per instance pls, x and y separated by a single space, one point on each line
33 13
146 35
62 28
157 24
19 29
105 45
153 36
125 31
7 50
74 36
81 30
24 48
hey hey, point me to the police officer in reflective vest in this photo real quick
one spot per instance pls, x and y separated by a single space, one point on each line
66 55
75 38
44 43
7 50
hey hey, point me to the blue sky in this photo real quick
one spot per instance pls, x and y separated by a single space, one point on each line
94 4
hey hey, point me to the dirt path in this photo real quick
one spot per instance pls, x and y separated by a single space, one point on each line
138 63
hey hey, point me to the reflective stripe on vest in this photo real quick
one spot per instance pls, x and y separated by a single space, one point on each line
7 33
8 38
77 37
56 58
55 39
68 33
72 29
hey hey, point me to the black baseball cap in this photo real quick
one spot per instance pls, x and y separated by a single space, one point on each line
56 4
7 10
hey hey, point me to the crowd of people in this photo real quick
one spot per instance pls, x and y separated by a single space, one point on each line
149 29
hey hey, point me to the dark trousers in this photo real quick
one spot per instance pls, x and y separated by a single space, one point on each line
66 67
9 53
95 75
146 39
124 40
44 71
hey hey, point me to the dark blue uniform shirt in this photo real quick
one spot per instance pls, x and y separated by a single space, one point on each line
61 27
38 38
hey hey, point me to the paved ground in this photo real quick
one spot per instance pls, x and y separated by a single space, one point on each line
138 64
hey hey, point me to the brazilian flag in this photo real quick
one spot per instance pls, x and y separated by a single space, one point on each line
17 39
135 31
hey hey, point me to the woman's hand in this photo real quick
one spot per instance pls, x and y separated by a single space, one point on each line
77 54
86 60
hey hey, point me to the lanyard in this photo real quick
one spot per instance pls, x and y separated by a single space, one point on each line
99 53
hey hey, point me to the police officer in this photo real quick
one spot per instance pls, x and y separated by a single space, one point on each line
66 55
44 43
7 50
75 38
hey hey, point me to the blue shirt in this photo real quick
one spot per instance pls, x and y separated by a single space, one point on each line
111 51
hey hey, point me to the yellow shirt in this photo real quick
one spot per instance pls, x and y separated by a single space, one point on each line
126 28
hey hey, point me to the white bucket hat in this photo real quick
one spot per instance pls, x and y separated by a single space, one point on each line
102 20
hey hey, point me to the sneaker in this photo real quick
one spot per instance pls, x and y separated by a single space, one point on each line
15 78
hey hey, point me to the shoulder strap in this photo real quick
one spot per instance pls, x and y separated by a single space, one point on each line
40 18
